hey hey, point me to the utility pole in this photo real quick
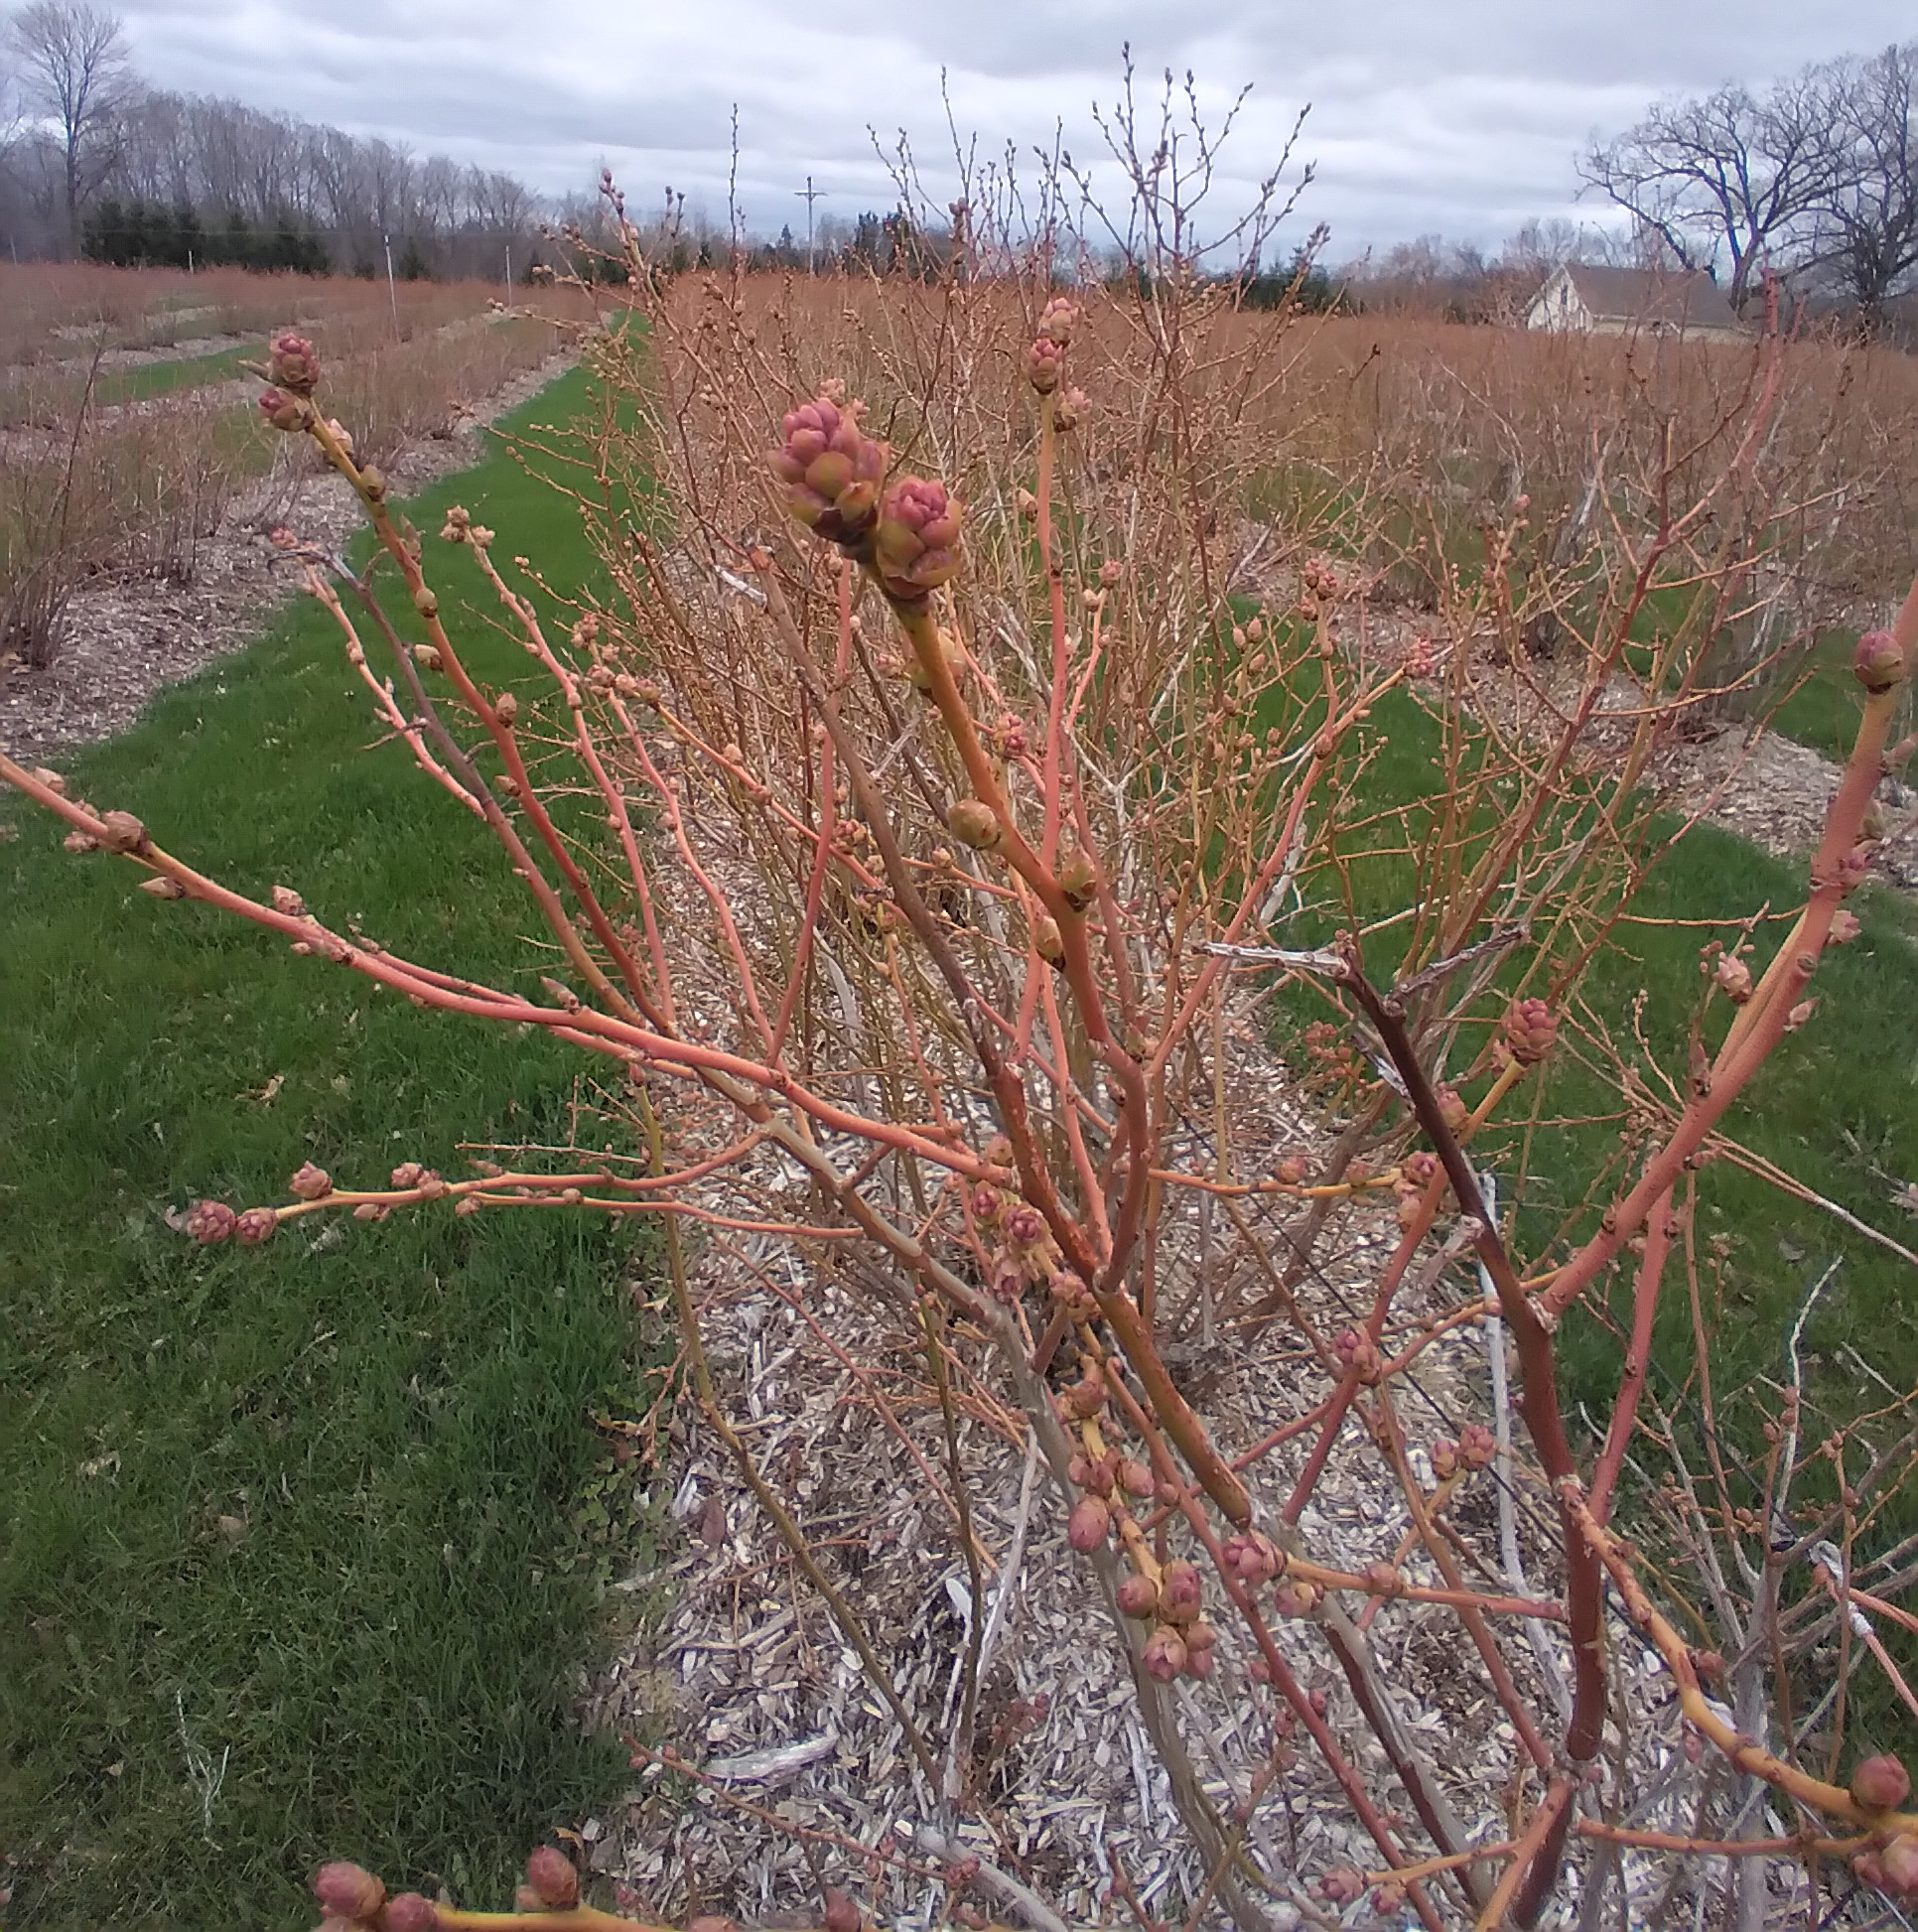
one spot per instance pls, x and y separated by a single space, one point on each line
809 194
393 287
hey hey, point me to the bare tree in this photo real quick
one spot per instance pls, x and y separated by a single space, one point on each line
74 69
1733 173
1864 234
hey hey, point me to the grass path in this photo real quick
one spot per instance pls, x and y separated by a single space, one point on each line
329 1513
1836 1106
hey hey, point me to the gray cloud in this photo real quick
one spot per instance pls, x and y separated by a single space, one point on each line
1461 119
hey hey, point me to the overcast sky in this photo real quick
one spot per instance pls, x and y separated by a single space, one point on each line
1461 118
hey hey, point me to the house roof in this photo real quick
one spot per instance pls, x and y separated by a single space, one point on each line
1686 299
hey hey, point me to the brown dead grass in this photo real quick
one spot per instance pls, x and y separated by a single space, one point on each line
1450 423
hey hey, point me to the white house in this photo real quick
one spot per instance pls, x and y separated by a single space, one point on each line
1589 301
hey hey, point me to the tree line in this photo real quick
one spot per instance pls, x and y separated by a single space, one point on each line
1812 177
94 163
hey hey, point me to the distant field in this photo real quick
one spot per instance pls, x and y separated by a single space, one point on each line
90 482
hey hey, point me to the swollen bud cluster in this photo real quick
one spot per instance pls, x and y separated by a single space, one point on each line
1045 360
552 1882
915 544
832 471
1528 1030
1879 663
352 1897
1476 1448
292 366
1882 1783
1181 1643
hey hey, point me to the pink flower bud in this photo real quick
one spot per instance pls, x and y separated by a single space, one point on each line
1846 926
1882 1783
1418 1169
1137 1596
1476 1446
1044 362
1089 1524
987 1203
1879 663
210 1221
284 412
553 1877
1293 1169
1530 1027
1900 1862
1057 320
312 1183
255 1225
407 1174
973 822
1445 1458
293 365
371 1210
122 832
1343 1884
1356 1351
1733 979
841 1914
832 471
1165 1655
1078 879
348 1890
1199 1664
1180 1593
916 542
1024 1226
409 1912
1134 1477
287 900
1452 1109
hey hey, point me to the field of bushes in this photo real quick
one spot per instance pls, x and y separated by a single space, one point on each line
126 419
307 1550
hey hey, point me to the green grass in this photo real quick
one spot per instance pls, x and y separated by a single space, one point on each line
148 379
383 1660
1836 1106
1823 710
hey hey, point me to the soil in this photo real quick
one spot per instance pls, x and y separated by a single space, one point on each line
127 637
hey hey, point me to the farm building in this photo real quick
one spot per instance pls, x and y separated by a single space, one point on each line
1624 301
